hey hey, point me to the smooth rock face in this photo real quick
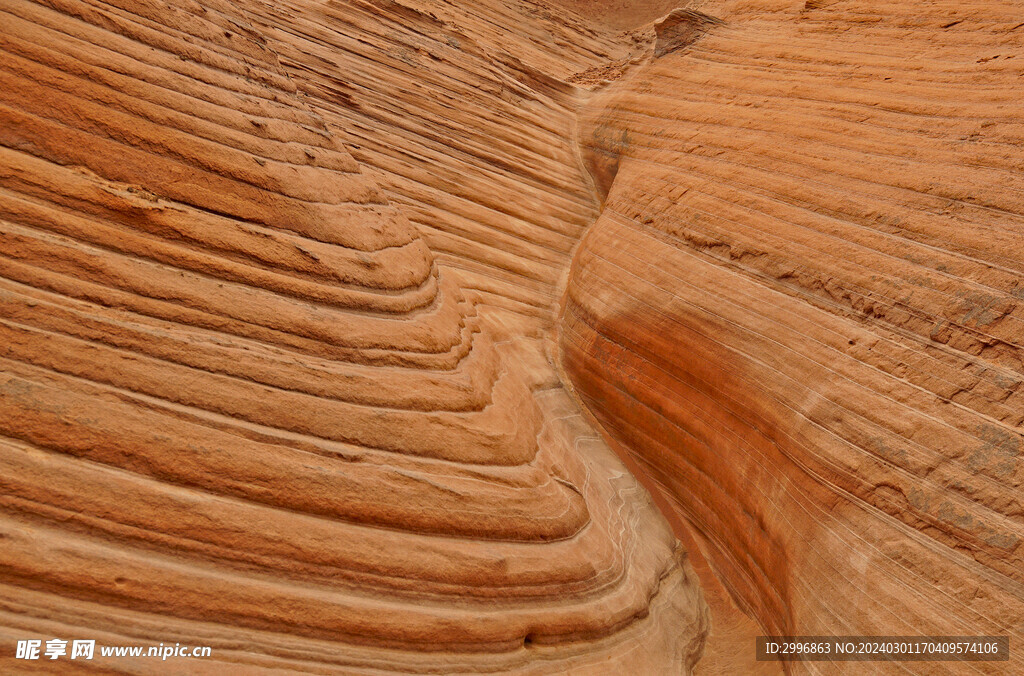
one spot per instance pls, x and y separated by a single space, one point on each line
241 403
801 309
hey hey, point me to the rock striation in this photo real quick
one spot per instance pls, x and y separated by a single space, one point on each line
243 406
321 320
471 136
801 310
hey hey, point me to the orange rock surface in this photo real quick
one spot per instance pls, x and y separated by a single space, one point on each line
325 321
801 308
241 404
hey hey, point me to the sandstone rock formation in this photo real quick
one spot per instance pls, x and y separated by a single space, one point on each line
242 406
802 309
321 320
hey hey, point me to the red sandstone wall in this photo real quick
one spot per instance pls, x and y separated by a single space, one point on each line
800 309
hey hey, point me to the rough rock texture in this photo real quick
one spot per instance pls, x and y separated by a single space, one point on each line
802 308
680 29
241 405
471 136
290 291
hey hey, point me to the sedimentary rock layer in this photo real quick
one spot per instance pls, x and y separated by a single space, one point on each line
801 308
242 406
300 404
462 113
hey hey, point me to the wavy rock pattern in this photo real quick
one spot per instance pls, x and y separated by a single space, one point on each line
284 285
801 308
487 166
242 406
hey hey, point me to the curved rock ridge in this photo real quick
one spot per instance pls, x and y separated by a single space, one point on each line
801 309
487 167
242 406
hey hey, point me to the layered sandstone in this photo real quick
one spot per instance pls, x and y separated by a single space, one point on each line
472 135
801 312
241 404
291 290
